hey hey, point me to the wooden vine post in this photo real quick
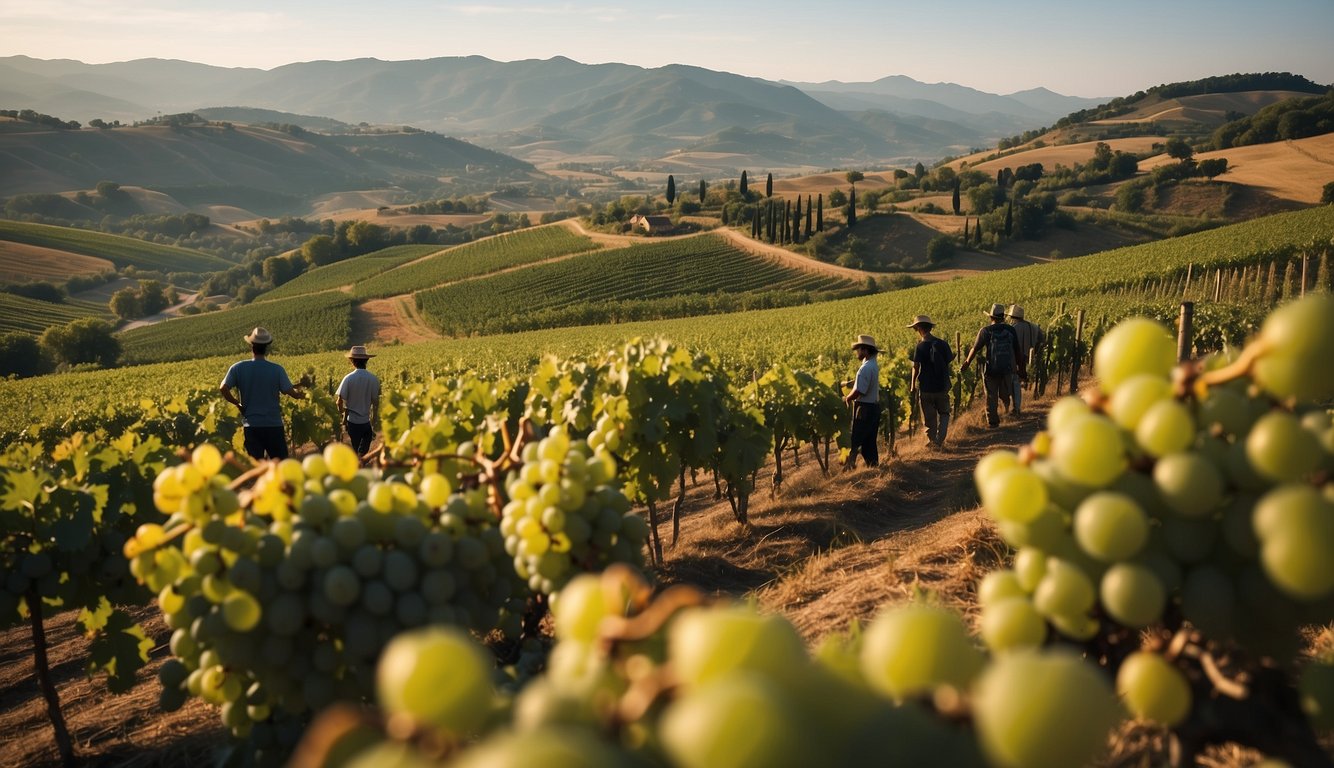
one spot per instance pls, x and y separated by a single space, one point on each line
42 663
1185 331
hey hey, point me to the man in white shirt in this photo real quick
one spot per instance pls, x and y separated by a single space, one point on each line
359 401
865 401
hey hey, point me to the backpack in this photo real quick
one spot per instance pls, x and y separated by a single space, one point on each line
1001 351
940 360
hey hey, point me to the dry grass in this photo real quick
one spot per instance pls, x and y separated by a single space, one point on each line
1050 157
1207 108
1290 170
20 262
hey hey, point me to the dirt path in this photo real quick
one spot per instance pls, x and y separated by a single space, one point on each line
391 320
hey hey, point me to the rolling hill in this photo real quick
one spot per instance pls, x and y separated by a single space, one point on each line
628 112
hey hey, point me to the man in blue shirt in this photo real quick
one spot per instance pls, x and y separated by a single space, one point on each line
359 401
260 382
865 401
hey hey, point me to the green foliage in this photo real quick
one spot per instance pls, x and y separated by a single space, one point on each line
21 355
1285 121
87 340
1327 193
940 249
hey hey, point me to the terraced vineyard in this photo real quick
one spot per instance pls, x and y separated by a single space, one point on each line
479 258
350 272
692 276
301 324
813 336
32 316
121 251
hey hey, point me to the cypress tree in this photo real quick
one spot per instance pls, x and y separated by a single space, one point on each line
1000 179
808 221
787 221
773 223
919 171
1009 218
702 189
819 213
796 221
977 232
769 186
744 187
671 189
955 198
965 231
852 208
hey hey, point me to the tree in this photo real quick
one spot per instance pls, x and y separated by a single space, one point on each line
744 189
919 171
125 304
319 250
838 198
86 340
852 209
769 186
1327 194
808 217
1009 218
819 213
796 222
954 199
1214 166
152 297
702 189
1179 149
671 189
965 230
939 249
21 355
853 177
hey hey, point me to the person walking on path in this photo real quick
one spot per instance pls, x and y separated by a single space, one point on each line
359 401
260 382
931 379
1030 337
864 399
1002 348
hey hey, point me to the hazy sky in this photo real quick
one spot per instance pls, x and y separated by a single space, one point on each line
1071 46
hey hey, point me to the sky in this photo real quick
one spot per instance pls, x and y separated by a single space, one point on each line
1073 47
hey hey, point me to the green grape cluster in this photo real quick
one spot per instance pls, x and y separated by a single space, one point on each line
281 598
672 681
565 516
1195 497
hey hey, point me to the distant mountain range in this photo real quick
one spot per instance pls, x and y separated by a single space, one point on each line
561 110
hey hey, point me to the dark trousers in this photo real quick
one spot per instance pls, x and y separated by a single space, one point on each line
998 388
865 426
266 442
935 415
360 436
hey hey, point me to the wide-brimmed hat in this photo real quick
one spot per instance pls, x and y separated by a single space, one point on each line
260 335
997 310
920 320
359 353
1016 311
865 341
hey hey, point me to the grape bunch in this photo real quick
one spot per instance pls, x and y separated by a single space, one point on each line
673 681
281 597
1190 502
565 516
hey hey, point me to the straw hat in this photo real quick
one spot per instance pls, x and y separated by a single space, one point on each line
260 335
997 310
1016 311
358 353
865 341
920 320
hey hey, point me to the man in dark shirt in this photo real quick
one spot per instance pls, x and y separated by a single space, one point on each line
931 379
1002 346
260 382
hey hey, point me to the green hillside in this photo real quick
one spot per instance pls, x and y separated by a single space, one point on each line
480 258
299 325
121 251
349 272
697 275
32 316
